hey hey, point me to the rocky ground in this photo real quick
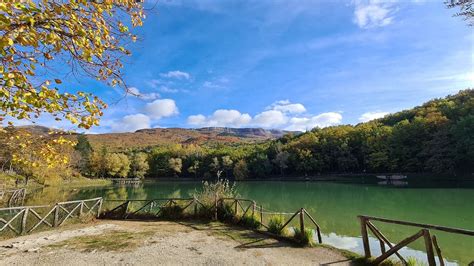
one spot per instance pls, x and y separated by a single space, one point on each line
165 243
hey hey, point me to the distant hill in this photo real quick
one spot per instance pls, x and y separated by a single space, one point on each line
37 130
163 136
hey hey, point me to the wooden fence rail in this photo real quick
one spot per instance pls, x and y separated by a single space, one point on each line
25 219
431 243
143 209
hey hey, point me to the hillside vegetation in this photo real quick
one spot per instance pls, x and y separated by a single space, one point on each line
436 137
146 138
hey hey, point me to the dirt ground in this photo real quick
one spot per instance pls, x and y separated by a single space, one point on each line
163 243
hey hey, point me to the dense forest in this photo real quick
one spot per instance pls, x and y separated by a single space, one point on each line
437 137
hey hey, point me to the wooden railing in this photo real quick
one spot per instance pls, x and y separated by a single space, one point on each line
149 209
431 243
25 219
259 211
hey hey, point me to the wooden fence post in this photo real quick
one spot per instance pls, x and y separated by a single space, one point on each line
81 208
429 247
261 214
365 236
235 208
302 221
195 208
253 208
215 207
23 221
438 250
125 209
56 215
99 208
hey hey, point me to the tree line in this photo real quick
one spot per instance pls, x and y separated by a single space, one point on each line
436 137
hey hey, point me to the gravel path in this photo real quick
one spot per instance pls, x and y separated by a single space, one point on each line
163 243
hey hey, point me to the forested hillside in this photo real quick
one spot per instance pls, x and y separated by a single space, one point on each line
436 137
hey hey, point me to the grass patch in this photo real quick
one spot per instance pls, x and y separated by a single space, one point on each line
250 221
109 241
172 212
82 182
275 225
305 238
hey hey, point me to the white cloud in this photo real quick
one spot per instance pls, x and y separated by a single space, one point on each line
219 83
154 83
176 74
221 118
134 91
131 123
286 106
166 89
468 76
197 120
161 108
308 123
373 13
371 116
269 119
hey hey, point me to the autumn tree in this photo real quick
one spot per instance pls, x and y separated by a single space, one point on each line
241 170
117 164
281 160
25 153
139 165
39 39
98 163
227 164
193 169
465 9
175 164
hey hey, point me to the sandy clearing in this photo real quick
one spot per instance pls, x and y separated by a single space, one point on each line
163 243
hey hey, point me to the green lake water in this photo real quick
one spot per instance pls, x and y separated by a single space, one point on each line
335 206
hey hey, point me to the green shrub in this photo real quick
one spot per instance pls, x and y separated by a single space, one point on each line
172 212
221 188
226 214
250 221
412 261
305 238
275 225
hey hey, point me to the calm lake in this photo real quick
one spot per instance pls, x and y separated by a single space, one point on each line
335 206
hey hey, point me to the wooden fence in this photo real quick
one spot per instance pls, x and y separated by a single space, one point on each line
244 205
431 243
149 209
24 220
132 209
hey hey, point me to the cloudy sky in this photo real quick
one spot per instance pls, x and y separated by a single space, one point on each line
286 64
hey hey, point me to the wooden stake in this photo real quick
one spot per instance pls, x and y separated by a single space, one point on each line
429 247
438 251
302 220
365 236
23 221
56 216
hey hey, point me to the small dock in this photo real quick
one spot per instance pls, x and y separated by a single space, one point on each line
126 181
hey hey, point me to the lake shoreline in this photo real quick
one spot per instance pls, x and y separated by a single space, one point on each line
322 178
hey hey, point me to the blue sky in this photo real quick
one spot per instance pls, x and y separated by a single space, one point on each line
286 64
